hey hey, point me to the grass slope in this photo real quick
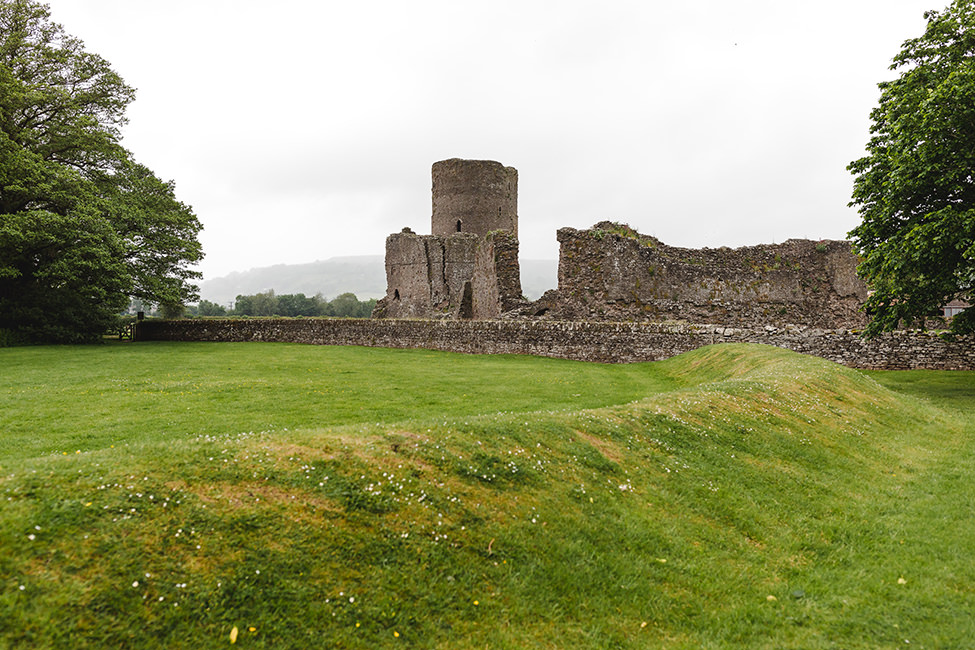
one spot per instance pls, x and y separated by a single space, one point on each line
752 498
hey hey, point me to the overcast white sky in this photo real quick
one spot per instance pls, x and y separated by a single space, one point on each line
301 130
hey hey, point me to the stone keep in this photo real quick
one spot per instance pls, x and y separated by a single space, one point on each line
468 267
476 196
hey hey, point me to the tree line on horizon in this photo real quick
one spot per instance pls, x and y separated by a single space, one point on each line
292 305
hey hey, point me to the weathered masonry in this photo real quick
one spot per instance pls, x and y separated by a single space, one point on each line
622 296
606 342
611 272
468 267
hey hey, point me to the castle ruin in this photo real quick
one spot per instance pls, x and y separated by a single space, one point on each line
468 269
613 273
622 296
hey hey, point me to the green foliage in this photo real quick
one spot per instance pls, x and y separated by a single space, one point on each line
297 304
267 304
82 226
346 305
9 338
244 306
159 234
260 304
748 498
61 277
624 230
207 308
915 189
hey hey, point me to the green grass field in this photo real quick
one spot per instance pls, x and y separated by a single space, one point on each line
173 495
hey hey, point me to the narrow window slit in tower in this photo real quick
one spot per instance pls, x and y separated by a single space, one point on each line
458 225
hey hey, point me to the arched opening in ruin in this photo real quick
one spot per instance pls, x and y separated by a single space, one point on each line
458 225
396 294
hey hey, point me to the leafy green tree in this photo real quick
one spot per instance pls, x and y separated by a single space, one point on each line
298 304
172 310
346 305
82 225
244 305
159 233
265 304
326 308
322 307
207 308
366 307
915 188
61 277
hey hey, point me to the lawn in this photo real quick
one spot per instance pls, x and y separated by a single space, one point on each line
283 496
58 399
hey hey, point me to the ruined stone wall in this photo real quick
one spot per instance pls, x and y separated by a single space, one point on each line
426 274
475 196
461 275
610 272
586 341
497 276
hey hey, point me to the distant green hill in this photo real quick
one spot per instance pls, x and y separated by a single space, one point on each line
363 275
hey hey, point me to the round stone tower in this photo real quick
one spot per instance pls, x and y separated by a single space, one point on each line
475 196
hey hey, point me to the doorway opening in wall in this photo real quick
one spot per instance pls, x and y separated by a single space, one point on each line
458 225
466 310
396 294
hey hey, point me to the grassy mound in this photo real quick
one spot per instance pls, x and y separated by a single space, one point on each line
752 498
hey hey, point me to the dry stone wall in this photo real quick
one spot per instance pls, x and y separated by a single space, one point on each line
606 342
